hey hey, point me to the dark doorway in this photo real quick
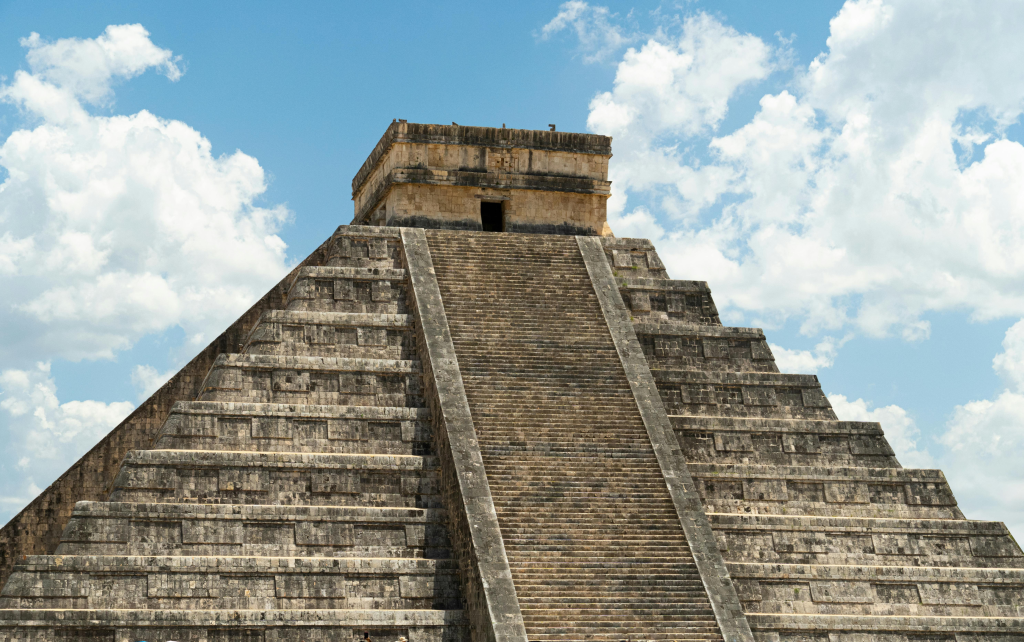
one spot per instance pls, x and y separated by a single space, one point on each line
490 217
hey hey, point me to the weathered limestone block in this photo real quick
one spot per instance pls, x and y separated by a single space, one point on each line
366 247
653 300
636 255
268 531
682 346
787 539
282 478
733 394
231 583
332 334
783 442
207 425
879 591
313 381
351 290
279 625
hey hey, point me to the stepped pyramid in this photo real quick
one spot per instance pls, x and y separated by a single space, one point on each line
474 414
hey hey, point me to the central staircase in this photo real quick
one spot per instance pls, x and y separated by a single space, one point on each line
593 540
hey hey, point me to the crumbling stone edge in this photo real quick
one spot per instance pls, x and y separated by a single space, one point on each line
492 606
697 528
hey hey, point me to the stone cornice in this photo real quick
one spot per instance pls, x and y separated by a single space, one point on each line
402 132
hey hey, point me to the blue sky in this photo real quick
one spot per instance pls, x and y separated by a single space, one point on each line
856 196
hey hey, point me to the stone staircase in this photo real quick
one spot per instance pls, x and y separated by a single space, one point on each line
827 538
593 540
294 500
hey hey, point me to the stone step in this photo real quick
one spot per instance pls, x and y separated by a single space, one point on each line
135 582
276 478
581 533
365 246
605 474
332 334
349 289
786 539
826 491
742 394
596 568
210 425
313 381
610 584
818 627
298 625
597 618
635 255
611 548
783 442
612 602
879 591
653 631
597 523
683 346
658 300
119 528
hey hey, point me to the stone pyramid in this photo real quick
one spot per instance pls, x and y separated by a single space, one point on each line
433 432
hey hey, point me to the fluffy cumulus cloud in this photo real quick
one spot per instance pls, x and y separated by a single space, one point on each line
119 226
668 90
148 379
45 435
985 440
113 227
806 361
880 186
599 36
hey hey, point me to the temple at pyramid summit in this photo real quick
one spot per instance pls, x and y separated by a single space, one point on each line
475 414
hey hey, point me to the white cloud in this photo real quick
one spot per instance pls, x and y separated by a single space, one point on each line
44 436
900 430
86 68
112 227
880 187
639 223
672 88
148 379
598 35
1009 364
806 361
985 440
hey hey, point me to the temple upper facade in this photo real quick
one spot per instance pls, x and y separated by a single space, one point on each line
485 179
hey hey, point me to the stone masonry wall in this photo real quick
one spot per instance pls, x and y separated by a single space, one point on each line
451 207
37 528
435 176
479 159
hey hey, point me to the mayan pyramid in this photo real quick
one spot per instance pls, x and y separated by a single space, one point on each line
474 414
